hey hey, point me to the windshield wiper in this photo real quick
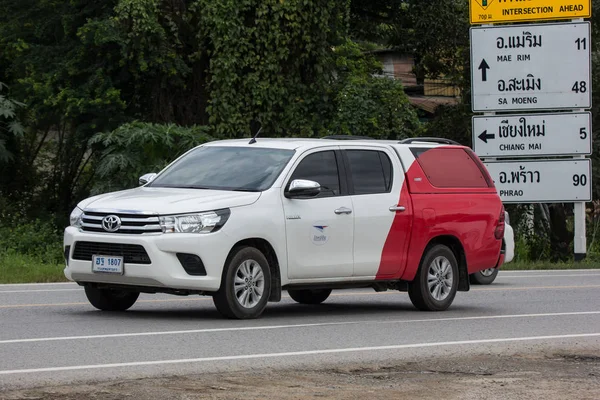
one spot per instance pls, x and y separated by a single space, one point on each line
241 189
184 187
245 190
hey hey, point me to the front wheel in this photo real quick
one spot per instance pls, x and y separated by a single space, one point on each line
306 296
110 299
245 285
485 277
436 283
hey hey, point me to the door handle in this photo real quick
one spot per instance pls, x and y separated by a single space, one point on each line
397 208
343 210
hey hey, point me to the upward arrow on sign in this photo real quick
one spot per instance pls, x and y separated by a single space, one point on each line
484 67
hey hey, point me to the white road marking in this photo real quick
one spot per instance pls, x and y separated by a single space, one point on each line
346 293
296 353
38 284
529 271
543 276
271 327
42 290
500 276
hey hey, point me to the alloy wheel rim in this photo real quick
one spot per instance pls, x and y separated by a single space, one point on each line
249 283
440 278
488 272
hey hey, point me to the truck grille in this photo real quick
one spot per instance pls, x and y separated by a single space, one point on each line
131 253
135 224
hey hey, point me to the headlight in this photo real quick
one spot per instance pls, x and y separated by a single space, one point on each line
75 217
195 223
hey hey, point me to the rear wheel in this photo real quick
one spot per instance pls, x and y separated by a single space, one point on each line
436 283
306 296
484 277
110 299
245 286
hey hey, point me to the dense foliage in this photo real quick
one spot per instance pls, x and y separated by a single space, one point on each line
136 148
94 94
222 68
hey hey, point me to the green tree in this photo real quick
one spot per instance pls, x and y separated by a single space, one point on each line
10 127
270 62
137 148
220 68
374 107
436 33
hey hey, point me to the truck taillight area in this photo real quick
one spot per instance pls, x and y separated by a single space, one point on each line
499 233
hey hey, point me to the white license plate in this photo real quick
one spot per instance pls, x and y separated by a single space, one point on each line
107 264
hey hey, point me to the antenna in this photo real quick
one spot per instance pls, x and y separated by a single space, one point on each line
253 140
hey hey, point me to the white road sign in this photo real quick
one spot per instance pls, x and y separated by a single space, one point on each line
531 135
542 181
531 67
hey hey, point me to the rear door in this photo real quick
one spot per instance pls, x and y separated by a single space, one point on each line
320 230
382 211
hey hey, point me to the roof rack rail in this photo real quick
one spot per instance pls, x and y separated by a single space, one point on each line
347 137
429 140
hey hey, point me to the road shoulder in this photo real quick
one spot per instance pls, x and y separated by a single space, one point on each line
548 375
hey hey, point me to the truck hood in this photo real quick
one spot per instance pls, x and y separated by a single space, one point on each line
168 200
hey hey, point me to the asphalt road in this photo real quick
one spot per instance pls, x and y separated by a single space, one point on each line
50 334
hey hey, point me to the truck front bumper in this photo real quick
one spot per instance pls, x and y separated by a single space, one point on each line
159 267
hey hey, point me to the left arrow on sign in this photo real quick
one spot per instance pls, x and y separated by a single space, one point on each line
486 136
484 67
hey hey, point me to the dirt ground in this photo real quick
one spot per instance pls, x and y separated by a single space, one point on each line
540 376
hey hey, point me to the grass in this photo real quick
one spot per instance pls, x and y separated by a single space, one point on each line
19 268
538 265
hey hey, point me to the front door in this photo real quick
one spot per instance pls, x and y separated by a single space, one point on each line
320 230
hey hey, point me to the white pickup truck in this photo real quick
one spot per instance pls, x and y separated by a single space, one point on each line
243 221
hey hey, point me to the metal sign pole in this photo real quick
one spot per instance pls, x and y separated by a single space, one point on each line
580 241
579 229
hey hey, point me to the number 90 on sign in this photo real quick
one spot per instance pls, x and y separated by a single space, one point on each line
579 180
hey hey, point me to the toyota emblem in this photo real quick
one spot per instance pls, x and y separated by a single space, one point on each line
111 223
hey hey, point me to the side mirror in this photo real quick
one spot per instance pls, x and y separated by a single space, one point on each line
303 188
147 178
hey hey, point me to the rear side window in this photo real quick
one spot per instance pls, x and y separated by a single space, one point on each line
370 171
450 168
320 167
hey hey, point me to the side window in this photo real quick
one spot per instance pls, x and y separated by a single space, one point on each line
450 168
370 171
320 167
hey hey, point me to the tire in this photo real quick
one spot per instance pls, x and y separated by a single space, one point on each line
485 277
245 285
438 295
110 299
306 296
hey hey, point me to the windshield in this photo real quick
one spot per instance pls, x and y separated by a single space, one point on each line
226 168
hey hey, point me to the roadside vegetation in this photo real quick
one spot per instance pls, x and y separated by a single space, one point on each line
94 94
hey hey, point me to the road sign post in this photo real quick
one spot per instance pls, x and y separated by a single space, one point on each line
542 181
531 67
580 239
497 11
534 67
529 135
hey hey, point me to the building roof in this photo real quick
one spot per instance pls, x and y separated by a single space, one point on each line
430 103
